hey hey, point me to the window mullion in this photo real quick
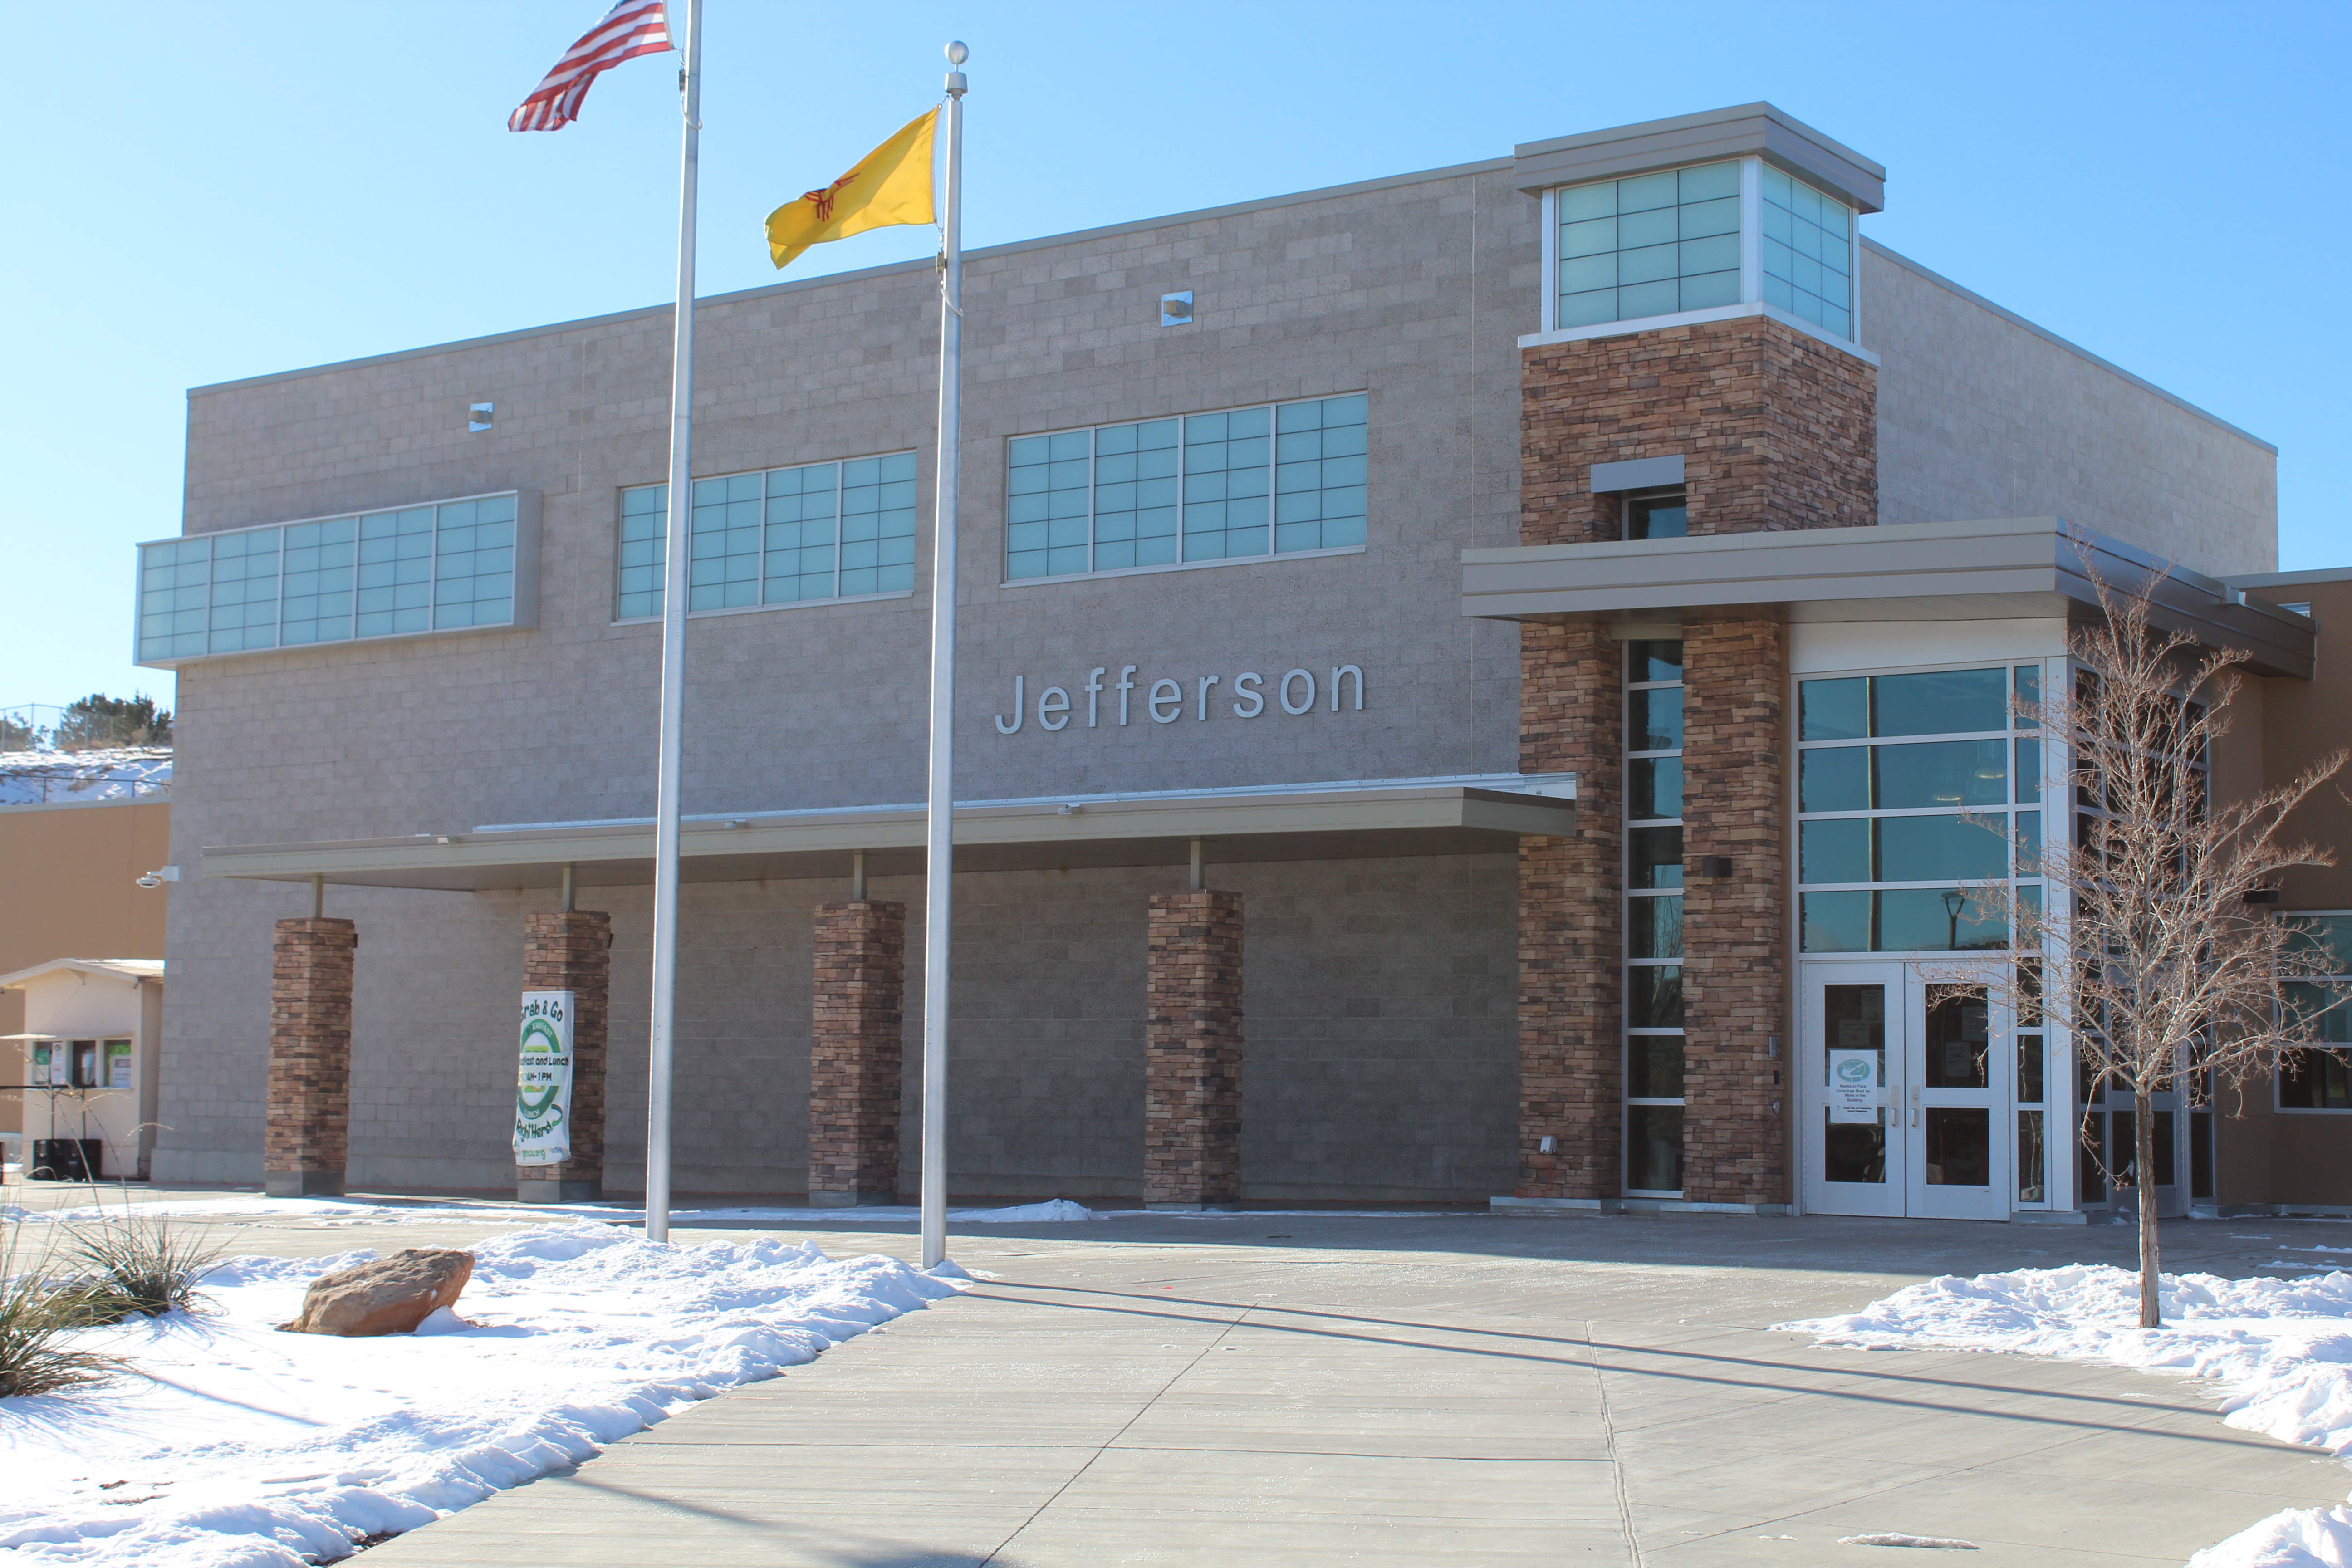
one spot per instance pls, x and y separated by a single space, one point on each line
1095 440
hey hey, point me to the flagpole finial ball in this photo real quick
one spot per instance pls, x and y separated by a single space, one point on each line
957 54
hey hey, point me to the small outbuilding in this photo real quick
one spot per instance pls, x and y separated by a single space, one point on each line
93 1029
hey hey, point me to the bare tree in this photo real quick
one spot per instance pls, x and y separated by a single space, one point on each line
2151 958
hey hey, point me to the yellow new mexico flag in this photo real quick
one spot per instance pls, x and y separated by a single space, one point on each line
891 184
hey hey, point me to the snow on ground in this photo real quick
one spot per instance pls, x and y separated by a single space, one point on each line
231 1445
2282 1349
112 773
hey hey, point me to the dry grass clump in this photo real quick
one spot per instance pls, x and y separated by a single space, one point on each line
139 1265
123 1265
35 1308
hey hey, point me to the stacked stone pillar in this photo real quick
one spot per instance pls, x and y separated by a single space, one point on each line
1736 963
1192 1052
1570 1055
571 950
1777 430
306 1139
856 1053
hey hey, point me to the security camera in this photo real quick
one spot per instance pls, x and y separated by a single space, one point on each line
160 876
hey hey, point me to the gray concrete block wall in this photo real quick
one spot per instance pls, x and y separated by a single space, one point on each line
1981 416
1379 1001
1380 1058
1413 294
1374 293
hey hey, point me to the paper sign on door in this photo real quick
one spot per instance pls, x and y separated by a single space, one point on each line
1854 1086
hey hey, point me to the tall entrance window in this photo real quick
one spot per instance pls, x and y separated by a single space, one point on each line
1908 785
1653 919
1924 1097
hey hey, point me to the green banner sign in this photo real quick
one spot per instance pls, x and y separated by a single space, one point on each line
543 1133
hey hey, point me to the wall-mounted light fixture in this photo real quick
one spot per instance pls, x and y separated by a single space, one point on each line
479 415
1714 865
1176 309
159 875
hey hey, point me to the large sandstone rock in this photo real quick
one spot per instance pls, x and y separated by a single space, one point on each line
390 1296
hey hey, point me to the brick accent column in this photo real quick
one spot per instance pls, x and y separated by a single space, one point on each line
1737 965
1569 1058
854 1053
1777 430
573 950
307 1138
1192 1052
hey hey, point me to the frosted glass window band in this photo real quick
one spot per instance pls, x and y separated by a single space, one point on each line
1808 253
1662 244
780 536
444 567
1273 479
1654 245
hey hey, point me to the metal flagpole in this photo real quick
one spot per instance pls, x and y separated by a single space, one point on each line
673 661
938 862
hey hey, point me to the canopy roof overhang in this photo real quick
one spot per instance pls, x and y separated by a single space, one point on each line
1362 819
2011 568
135 970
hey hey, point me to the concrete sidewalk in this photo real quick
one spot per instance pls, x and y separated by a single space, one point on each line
1283 1389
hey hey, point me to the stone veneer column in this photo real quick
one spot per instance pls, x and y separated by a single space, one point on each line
571 950
854 1053
1777 430
1193 1050
308 1134
1736 963
1569 919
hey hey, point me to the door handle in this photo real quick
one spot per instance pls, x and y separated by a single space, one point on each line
1915 1105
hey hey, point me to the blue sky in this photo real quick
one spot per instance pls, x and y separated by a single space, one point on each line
201 194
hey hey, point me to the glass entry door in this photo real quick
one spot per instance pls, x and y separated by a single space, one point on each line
1957 1097
1851 1062
1906 1103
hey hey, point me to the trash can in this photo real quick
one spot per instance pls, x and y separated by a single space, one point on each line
65 1160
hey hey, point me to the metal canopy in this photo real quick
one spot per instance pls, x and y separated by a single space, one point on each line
1995 569
1483 813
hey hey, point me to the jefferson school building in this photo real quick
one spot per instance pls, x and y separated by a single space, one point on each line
1469 682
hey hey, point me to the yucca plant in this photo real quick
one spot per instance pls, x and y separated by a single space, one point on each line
139 1265
35 1308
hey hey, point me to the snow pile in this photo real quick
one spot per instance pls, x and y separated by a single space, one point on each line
2281 1348
112 773
230 1445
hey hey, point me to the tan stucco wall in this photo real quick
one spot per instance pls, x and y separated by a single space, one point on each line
2264 1155
68 877
2303 721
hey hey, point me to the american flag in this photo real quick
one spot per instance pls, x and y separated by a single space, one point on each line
631 28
